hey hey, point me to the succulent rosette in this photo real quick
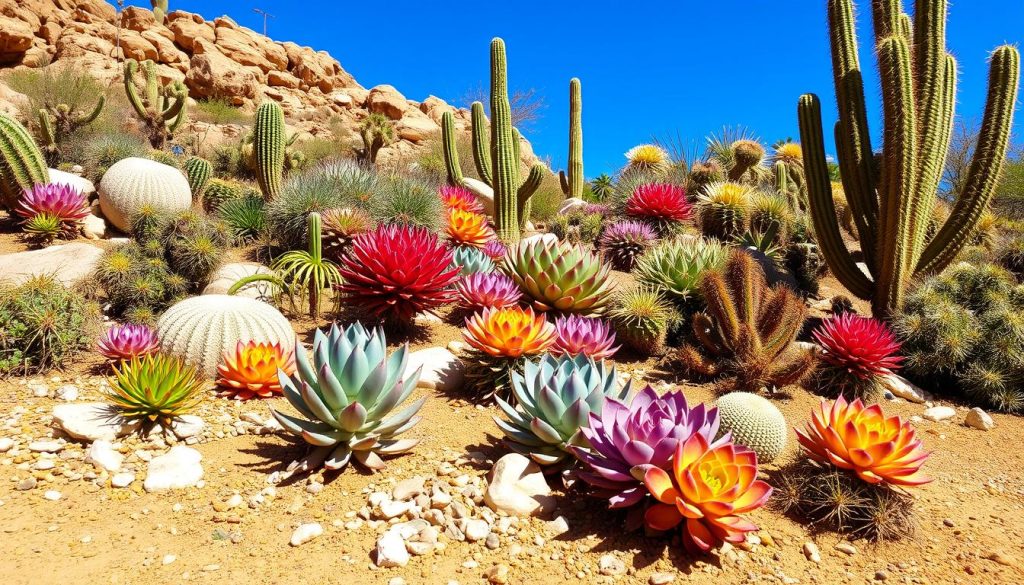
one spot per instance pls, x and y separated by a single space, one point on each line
495 250
863 440
661 204
58 207
706 490
470 260
559 276
252 370
466 228
453 197
862 346
124 342
627 440
509 332
482 289
590 336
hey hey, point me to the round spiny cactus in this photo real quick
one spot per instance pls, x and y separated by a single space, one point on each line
200 329
768 211
133 183
724 210
641 319
220 191
754 422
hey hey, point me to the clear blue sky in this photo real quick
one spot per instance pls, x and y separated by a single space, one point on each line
655 68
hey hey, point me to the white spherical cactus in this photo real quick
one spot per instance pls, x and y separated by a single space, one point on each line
228 274
200 329
133 183
754 422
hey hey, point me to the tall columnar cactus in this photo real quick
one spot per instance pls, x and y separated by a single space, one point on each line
496 158
198 170
892 199
268 148
159 10
572 182
162 108
21 162
57 122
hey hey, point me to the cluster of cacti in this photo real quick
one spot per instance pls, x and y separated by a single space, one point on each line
857 353
156 388
345 398
268 139
217 192
162 108
254 369
200 329
641 317
159 10
754 422
478 290
496 154
131 340
59 121
623 242
133 184
572 182
555 398
191 243
746 336
50 210
558 276
788 175
589 336
770 212
376 131
499 340
675 267
470 260
396 272
198 172
306 272
44 324
576 226
22 164
892 199
963 331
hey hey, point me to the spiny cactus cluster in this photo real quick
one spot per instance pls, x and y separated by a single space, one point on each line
58 121
22 164
268 148
162 108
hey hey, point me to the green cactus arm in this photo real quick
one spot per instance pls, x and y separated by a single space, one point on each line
91 116
986 166
315 234
821 206
530 185
575 174
450 149
886 15
247 280
481 143
152 88
898 180
906 27
563 182
131 66
176 113
46 129
504 143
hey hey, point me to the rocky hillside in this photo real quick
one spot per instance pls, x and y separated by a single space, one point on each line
216 59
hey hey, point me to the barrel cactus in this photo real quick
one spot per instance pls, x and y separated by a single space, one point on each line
560 276
754 422
724 210
22 164
198 171
134 183
268 141
200 329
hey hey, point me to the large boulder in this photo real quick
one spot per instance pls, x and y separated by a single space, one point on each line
69 263
385 99
15 38
212 75
81 183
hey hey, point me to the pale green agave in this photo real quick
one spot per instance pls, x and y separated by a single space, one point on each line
471 260
554 400
346 394
677 266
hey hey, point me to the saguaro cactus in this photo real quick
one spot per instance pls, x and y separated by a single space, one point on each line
21 162
892 197
572 182
58 121
163 108
268 148
496 158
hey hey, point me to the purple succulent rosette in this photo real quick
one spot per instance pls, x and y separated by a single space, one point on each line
487 289
590 336
128 341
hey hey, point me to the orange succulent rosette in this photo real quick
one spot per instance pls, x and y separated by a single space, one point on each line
251 370
509 332
861 439
710 486
468 228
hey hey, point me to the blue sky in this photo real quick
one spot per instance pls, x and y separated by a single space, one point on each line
657 68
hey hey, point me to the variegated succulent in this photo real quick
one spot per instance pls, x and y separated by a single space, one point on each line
559 276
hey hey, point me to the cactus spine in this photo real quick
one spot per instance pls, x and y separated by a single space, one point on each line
21 162
572 182
163 107
198 170
496 156
268 148
892 201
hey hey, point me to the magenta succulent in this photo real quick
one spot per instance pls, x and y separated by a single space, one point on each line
626 441
623 242
487 289
61 206
124 342
590 336
495 250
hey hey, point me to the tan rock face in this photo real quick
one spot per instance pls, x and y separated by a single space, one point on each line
212 75
15 38
386 100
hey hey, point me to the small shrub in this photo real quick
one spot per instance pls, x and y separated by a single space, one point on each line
219 111
101 152
42 325
404 201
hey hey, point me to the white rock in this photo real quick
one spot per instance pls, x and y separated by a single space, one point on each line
516 486
441 369
305 533
476 529
103 455
558 526
905 389
483 192
45 446
92 421
168 559
52 495
610 565
85 186
391 551
187 425
69 263
939 413
178 469
94 227
122 480
811 552
391 509
68 393
6 443
979 419
409 488
571 204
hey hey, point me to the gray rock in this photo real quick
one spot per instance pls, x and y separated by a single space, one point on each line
905 389
441 369
178 469
546 238
516 487
92 421
68 263
979 419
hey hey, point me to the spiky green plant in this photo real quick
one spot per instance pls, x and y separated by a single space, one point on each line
602 187
101 152
157 388
554 397
59 121
268 139
162 108
406 201
577 227
559 276
345 397
376 131
42 325
245 217
723 211
641 317
675 267
22 164
307 271
220 191
892 201
746 337
771 211
198 170
42 229
572 182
